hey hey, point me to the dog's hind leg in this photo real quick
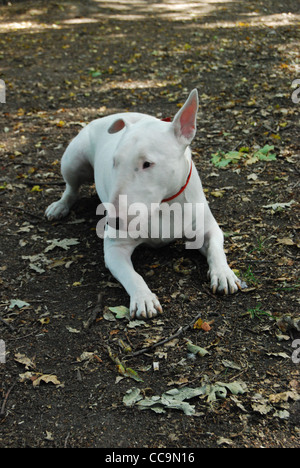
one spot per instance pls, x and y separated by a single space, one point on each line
75 170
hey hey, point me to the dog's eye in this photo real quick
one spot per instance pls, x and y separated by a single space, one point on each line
146 165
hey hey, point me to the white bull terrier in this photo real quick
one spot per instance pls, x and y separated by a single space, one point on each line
148 161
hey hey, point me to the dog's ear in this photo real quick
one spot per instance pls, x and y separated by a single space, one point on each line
117 126
185 120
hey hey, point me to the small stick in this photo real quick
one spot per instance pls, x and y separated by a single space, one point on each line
66 440
7 324
21 210
179 332
95 312
32 183
2 412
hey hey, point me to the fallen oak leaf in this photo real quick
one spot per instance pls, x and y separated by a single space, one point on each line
279 206
220 389
27 362
37 262
276 398
286 323
63 244
132 396
28 376
36 378
231 364
261 407
86 356
47 378
171 399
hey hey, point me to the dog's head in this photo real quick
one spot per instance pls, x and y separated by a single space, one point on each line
152 159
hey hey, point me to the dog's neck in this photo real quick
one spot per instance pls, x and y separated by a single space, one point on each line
182 189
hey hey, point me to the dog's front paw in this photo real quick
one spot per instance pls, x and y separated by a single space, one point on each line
57 210
144 305
223 280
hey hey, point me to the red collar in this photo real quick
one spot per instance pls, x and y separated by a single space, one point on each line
182 188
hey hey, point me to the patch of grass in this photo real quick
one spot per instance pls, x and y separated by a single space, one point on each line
221 159
259 245
249 276
258 313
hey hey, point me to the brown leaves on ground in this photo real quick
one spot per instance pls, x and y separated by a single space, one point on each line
66 63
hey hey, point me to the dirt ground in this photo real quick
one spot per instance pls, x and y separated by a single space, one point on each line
69 361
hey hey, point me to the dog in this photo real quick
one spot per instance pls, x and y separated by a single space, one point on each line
140 158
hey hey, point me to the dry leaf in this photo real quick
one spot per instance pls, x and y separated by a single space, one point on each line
284 396
37 378
285 241
27 362
47 378
63 244
217 193
200 325
197 350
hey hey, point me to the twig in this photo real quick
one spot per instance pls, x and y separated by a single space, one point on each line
21 210
7 324
179 332
208 291
32 183
94 313
66 440
2 412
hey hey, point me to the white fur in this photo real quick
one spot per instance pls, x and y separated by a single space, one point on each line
112 151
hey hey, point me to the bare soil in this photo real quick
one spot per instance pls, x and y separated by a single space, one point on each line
65 63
